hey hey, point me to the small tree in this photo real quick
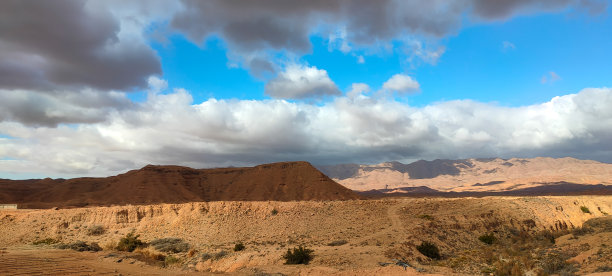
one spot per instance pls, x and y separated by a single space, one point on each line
299 255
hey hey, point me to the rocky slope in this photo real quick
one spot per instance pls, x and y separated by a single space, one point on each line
173 184
471 175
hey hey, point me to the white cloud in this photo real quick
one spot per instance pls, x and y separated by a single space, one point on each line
402 84
171 129
300 82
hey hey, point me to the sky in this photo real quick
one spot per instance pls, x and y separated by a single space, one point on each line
97 88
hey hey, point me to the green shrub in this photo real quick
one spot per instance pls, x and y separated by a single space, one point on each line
427 217
130 242
429 249
45 241
239 247
173 245
274 212
585 210
96 230
300 255
487 238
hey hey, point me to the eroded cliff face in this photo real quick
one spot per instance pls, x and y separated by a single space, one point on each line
451 222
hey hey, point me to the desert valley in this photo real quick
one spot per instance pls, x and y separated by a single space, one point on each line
243 221
306 137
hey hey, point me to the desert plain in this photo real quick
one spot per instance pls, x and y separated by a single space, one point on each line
348 233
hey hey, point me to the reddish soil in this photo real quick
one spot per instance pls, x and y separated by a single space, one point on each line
287 181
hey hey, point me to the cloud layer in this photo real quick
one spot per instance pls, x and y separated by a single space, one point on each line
171 129
301 82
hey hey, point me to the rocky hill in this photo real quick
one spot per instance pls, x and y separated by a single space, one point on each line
286 181
475 175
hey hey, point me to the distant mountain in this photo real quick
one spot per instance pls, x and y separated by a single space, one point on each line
472 175
286 181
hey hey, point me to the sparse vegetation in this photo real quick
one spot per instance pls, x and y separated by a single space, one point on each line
604 268
585 209
299 255
427 217
47 241
337 243
429 249
216 256
274 212
81 246
581 231
487 238
96 230
556 263
130 242
171 260
171 245
239 246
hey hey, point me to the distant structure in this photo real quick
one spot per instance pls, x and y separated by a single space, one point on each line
8 206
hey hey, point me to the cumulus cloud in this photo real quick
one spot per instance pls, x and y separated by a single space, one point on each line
45 109
300 82
402 84
279 25
171 129
67 44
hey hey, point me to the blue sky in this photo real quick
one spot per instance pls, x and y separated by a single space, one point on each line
502 62
100 87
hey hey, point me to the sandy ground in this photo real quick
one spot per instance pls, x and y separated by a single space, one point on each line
375 231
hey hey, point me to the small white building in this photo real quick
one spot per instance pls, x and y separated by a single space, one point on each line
8 206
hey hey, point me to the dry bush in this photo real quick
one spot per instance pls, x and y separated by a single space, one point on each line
171 261
171 245
81 246
581 231
110 245
299 255
47 241
556 263
337 243
149 256
96 230
215 256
